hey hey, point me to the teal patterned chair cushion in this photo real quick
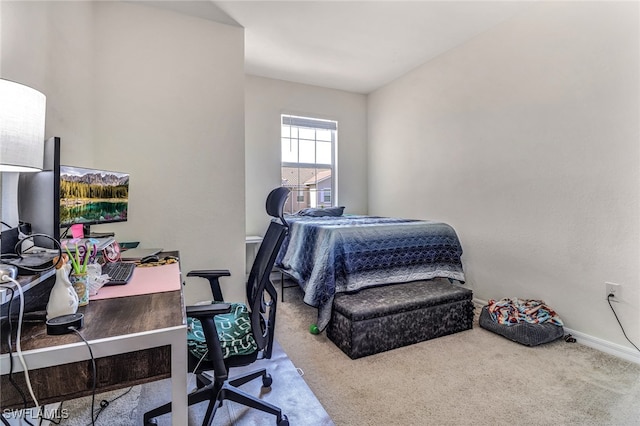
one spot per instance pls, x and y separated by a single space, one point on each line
234 333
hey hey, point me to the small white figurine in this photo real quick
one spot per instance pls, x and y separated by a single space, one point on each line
63 299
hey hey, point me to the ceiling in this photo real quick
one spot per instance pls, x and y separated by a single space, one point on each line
357 46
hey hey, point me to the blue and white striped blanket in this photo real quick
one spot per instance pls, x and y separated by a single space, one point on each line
329 255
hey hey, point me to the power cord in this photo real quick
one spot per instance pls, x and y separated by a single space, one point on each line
43 416
10 347
202 358
65 232
104 403
4 279
619 323
94 374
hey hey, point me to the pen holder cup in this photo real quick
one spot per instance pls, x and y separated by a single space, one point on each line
79 282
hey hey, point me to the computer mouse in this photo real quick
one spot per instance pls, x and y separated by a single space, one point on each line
149 259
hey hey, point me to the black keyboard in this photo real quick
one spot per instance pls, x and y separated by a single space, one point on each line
119 272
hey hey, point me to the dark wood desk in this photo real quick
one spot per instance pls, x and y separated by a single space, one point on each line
135 339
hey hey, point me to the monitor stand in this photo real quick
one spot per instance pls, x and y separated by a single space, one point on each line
86 230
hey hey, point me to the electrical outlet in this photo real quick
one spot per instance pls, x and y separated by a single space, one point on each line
614 289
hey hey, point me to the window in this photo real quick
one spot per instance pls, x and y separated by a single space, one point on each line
308 158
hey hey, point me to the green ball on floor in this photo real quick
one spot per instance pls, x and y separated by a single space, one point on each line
313 329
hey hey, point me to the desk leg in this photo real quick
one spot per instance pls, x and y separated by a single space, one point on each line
179 407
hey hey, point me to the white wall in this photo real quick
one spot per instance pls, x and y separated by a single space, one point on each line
154 93
525 139
265 100
48 45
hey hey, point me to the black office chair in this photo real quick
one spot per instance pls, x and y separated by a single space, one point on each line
212 349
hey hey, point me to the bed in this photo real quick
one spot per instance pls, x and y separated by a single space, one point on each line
330 255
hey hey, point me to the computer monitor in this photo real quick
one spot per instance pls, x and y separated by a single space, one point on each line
38 196
92 197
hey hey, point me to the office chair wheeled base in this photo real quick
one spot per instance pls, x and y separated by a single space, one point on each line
229 391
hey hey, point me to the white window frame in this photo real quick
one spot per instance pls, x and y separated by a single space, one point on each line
315 124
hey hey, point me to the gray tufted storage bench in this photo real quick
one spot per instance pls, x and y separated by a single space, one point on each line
381 318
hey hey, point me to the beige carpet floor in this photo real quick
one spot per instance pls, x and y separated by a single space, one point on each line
470 378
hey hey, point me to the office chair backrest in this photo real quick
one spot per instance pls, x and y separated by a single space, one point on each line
261 294
275 203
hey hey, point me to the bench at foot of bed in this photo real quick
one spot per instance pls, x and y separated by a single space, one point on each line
382 318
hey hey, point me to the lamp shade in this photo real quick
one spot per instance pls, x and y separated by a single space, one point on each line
22 115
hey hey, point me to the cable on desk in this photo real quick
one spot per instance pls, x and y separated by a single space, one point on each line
19 254
94 374
19 335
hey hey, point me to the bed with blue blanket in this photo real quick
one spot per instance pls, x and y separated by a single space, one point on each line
329 255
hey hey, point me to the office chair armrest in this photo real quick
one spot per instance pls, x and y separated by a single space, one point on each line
206 315
206 273
207 311
212 275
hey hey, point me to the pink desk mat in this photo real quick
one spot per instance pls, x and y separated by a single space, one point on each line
145 280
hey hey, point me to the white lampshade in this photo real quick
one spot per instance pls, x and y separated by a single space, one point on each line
22 114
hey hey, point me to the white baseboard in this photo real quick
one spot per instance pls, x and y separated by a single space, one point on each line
605 346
